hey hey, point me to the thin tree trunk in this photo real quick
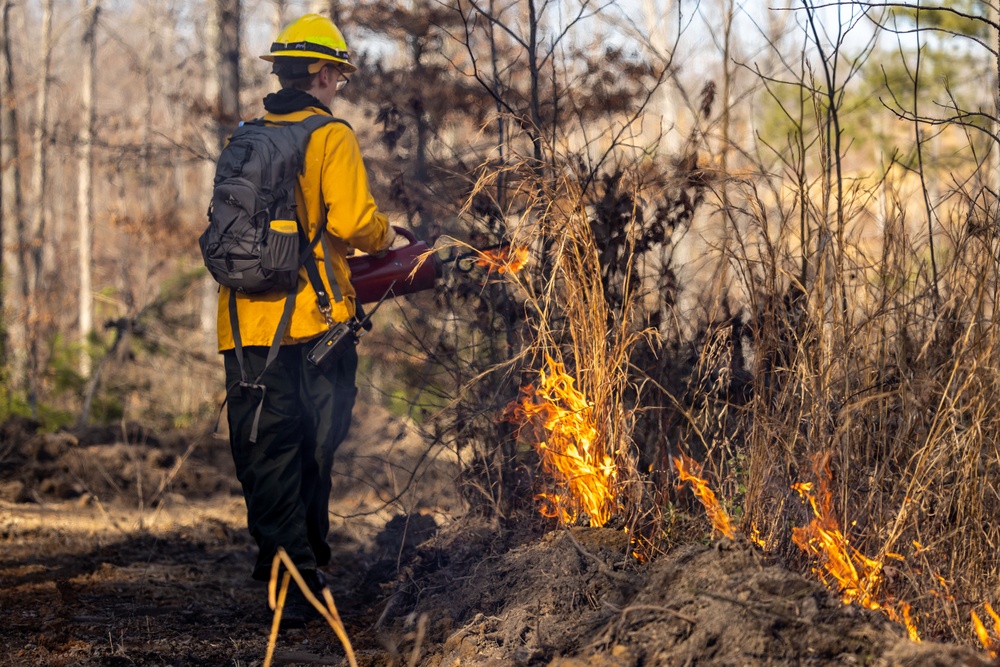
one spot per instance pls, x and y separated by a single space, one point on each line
209 289
995 152
534 76
280 8
728 221
662 132
501 119
139 285
38 186
327 8
13 224
85 198
228 47
222 90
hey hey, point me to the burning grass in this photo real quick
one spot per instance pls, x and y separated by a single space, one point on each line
990 641
690 471
572 409
859 579
570 449
503 260
849 347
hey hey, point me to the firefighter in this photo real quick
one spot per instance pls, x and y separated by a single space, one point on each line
305 412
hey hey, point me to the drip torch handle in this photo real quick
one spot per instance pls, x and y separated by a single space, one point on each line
406 234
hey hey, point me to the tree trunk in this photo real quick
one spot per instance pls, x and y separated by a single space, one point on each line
994 178
85 198
11 208
280 8
327 8
37 231
535 95
658 21
728 221
209 289
227 109
222 90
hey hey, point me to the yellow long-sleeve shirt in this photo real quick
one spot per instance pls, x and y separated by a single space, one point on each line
333 178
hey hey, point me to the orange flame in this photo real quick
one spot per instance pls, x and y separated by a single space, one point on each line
857 577
571 453
641 547
503 260
991 645
690 472
756 537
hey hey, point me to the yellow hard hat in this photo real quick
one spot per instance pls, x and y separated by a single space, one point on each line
314 37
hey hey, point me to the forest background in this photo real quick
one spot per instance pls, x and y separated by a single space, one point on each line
760 236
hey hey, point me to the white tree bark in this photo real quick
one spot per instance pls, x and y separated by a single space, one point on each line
223 93
14 231
38 186
280 10
994 177
659 17
85 197
209 288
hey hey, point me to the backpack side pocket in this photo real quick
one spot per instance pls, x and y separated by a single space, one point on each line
280 254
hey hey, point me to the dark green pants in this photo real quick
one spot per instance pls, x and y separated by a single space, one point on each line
286 474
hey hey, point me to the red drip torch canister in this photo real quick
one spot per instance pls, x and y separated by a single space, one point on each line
372 277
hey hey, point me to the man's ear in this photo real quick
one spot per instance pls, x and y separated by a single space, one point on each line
326 76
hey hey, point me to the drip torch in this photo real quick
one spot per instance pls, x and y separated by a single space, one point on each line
400 271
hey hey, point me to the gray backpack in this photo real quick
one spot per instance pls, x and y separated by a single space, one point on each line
254 187
254 242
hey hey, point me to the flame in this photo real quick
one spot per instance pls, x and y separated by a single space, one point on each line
908 622
756 537
641 547
991 645
858 578
995 617
504 259
571 453
690 472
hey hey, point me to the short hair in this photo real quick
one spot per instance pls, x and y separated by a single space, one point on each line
298 83
295 72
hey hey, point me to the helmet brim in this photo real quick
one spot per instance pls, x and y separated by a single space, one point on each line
302 51
347 66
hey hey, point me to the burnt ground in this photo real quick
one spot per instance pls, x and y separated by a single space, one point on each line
122 547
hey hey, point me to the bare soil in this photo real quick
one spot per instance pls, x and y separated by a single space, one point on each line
123 547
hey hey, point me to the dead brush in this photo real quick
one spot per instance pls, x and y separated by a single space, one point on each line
574 335
855 358
863 365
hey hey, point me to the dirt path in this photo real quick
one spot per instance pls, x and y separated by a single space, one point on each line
89 575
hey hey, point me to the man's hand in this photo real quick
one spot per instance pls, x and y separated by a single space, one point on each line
389 240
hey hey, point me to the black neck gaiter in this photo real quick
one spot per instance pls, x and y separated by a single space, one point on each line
290 100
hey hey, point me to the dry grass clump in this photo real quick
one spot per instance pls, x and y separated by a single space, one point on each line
890 374
575 358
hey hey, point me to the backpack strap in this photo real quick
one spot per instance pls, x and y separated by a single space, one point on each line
312 123
272 353
312 270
